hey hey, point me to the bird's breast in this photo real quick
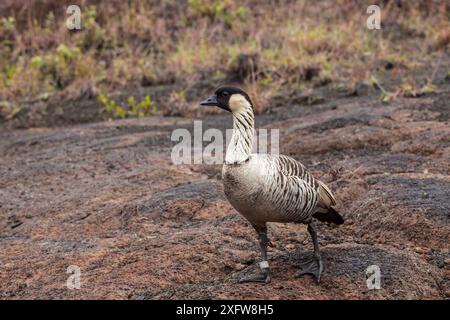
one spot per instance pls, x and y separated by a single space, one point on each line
240 181
243 186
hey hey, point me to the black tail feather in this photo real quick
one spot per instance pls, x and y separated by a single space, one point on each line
330 216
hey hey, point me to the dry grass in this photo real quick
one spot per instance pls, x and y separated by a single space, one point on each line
266 45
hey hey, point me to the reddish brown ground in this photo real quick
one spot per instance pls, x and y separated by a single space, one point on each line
107 198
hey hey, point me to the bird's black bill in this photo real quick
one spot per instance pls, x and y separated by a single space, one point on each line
211 101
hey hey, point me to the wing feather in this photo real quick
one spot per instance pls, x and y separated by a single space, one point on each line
323 211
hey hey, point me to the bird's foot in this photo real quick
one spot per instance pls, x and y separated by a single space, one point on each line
313 267
263 277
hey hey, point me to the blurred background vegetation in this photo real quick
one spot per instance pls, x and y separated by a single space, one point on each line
173 49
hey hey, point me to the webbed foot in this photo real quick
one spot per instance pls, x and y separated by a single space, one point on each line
262 277
313 267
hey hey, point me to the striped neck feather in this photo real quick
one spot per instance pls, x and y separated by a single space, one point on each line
241 143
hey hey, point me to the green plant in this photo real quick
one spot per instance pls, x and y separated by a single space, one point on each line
142 108
7 23
8 110
111 106
134 109
218 10
58 67
8 74
406 89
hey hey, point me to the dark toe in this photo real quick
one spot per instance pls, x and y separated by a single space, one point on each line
260 278
313 267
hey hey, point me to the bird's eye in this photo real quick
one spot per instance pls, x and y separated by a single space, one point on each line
225 93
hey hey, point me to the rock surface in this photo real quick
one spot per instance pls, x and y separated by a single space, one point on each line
107 198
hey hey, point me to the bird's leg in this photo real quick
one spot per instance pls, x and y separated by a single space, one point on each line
264 276
314 265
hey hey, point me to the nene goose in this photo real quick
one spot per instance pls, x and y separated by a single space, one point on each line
269 188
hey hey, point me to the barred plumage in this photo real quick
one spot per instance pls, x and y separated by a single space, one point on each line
269 188
282 190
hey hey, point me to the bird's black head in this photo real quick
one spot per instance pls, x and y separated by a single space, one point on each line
228 98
